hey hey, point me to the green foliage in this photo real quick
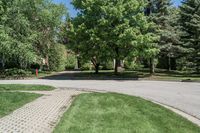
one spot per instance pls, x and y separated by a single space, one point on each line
71 60
107 65
15 33
57 57
86 66
184 65
102 31
190 24
119 29
132 65
16 72
27 30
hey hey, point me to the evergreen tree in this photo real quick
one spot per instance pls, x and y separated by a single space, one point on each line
190 24
166 18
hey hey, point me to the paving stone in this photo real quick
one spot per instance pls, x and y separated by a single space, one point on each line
39 116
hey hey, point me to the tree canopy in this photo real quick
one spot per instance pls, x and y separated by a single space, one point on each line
112 29
27 30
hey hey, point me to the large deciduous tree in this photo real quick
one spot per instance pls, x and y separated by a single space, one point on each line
112 29
27 30
16 34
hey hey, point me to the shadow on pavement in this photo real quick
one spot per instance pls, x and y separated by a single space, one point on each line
74 75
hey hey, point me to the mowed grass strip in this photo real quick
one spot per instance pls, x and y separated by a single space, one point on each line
116 113
10 101
15 87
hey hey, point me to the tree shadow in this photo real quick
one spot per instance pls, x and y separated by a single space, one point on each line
81 75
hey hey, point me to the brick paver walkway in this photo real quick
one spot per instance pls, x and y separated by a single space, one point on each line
39 116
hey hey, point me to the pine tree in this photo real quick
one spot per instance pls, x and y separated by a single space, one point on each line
190 22
165 16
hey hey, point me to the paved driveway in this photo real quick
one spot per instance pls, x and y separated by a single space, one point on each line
183 96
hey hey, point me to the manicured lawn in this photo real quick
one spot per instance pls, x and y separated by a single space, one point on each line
10 101
116 113
168 76
14 87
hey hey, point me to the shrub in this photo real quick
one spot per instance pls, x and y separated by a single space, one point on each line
35 66
14 72
87 66
132 65
109 65
57 57
70 62
184 65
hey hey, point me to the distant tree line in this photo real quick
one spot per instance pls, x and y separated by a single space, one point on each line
110 34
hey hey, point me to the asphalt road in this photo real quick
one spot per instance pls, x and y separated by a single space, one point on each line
182 96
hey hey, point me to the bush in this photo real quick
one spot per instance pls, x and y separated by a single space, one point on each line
184 65
87 66
132 65
35 66
14 72
108 65
57 57
70 62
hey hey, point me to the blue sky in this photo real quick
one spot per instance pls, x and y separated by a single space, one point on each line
73 12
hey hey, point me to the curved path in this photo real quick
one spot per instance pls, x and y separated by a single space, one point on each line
182 96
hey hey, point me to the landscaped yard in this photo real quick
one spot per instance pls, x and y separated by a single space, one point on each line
116 113
10 101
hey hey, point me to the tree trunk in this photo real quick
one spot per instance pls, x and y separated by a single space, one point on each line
117 65
47 62
117 60
97 68
78 64
169 64
3 62
96 65
152 67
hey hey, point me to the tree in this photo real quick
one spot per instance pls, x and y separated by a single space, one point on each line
57 57
166 18
27 29
16 35
111 29
153 51
86 34
190 24
46 19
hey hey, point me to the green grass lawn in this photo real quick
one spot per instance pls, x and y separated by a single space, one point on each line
116 113
169 76
10 101
15 87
